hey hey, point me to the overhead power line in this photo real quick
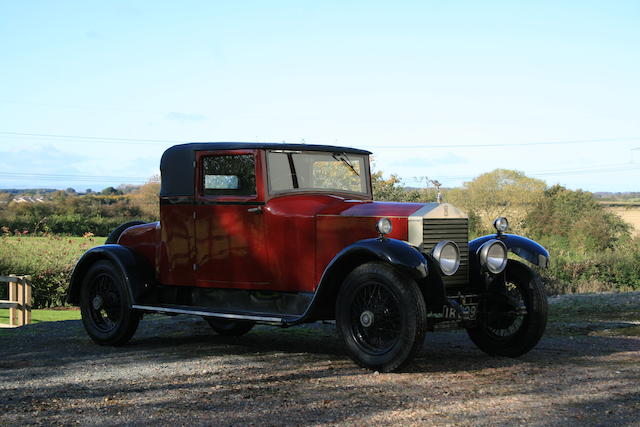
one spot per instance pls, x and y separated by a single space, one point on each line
623 167
522 144
103 140
53 175
418 146
24 176
20 176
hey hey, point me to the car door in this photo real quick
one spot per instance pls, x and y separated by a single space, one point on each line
230 245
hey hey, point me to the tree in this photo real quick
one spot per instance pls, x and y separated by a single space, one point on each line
502 192
393 190
110 191
567 218
127 188
146 196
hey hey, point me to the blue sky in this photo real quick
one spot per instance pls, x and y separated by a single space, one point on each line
91 93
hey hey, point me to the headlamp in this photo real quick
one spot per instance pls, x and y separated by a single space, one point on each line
493 256
447 254
384 226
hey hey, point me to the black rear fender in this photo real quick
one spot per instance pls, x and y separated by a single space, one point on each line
136 271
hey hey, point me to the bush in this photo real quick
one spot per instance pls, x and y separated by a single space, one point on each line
602 270
49 260
70 224
68 213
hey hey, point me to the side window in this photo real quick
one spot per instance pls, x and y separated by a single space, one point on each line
232 175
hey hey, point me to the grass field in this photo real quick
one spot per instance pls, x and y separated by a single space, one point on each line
38 316
630 214
29 250
25 252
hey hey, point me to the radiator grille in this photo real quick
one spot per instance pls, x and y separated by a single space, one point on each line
456 230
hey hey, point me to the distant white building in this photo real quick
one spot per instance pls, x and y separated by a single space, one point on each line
28 199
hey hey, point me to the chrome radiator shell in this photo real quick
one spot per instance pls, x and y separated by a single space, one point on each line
441 221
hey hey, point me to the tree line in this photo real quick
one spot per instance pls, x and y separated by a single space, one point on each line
591 248
71 213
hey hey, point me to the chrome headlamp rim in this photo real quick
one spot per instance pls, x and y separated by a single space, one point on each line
448 268
501 224
488 262
384 226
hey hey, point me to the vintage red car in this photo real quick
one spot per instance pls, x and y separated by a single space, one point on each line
284 234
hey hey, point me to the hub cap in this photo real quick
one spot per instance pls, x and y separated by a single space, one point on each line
97 302
366 318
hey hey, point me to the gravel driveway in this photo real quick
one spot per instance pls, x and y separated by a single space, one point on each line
176 371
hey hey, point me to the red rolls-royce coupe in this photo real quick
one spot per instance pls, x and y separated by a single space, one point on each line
284 234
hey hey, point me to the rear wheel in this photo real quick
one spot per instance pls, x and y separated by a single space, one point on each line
512 324
106 307
381 317
229 328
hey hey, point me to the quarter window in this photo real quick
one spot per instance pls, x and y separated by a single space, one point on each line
232 175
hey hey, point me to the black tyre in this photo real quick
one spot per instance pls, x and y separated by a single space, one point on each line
229 328
106 306
381 317
512 325
113 237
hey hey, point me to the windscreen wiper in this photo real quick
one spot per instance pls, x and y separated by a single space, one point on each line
344 159
292 167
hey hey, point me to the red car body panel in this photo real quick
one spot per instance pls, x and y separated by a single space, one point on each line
177 245
143 239
261 241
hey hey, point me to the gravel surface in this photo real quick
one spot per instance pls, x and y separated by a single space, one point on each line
177 371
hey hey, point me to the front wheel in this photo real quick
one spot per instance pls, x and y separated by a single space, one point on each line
106 307
511 324
381 317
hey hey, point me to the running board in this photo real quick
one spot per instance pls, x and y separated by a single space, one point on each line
281 321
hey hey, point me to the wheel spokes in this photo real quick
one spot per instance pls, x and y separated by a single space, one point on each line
515 316
375 316
105 308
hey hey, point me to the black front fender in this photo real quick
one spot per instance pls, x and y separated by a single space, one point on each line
402 256
525 248
136 271
397 253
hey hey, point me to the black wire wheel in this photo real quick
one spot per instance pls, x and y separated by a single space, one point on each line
511 323
230 328
106 307
381 317
504 324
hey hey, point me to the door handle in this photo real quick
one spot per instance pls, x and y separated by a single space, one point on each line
255 210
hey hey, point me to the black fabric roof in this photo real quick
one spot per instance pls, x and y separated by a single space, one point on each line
178 173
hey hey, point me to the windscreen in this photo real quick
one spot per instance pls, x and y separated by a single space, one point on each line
316 170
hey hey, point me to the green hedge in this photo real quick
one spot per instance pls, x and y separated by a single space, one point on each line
49 260
597 271
73 224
